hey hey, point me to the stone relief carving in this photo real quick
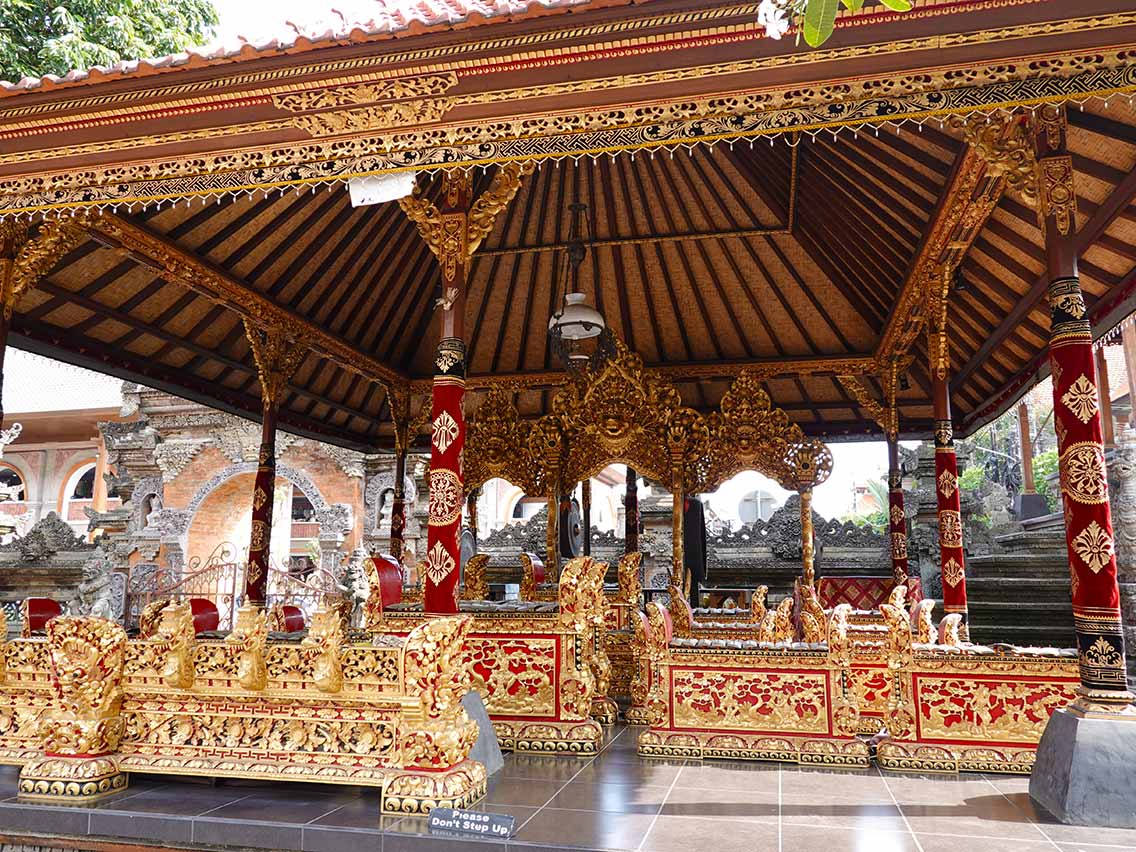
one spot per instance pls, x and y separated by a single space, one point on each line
349 461
239 440
49 536
172 456
372 495
102 592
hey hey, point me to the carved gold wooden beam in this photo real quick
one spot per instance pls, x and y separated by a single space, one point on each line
967 202
175 264
852 365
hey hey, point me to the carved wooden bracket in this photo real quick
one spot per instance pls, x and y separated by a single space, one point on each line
24 259
277 356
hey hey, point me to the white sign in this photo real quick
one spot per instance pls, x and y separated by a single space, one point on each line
375 189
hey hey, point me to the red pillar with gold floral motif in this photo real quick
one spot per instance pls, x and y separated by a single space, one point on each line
1077 422
453 227
897 516
276 357
952 559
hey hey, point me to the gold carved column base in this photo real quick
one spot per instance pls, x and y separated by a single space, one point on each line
920 757
418 792
582 739
1103 704
71 780
736 746
604 710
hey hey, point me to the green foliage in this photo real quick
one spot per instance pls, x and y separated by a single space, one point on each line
973 478
1044 466
40 37
819 20
819 16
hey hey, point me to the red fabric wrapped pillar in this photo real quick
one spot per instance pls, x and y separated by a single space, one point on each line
631 513
952 560
256 577
1077 421
897 517
443 549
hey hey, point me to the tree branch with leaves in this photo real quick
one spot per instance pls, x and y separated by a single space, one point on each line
813 19
39 37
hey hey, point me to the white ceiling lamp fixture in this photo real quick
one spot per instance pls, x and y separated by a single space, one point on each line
377 189
578 334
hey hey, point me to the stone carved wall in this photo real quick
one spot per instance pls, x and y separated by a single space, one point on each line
166 463
1122 497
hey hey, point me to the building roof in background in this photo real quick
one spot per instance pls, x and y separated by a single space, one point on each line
364 21
33 384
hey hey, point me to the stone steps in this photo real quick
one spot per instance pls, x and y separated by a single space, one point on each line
1023 565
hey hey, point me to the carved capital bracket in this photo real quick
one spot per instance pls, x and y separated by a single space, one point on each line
1055 174
24 258
455 229
859 389
277 355
1003 141
398 398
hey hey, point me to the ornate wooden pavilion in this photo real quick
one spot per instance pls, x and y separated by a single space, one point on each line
869 231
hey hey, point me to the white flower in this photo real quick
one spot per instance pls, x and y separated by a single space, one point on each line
771 15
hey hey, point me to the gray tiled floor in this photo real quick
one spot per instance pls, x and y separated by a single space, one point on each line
615 801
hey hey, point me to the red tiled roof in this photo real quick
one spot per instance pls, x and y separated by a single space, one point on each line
380 18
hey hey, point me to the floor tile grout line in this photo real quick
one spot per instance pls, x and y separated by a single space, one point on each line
336 809
569 781
203 813
906 821
780 840
655 818
1029 819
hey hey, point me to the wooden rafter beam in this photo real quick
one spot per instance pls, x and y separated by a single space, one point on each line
178 265
1116 203
764 368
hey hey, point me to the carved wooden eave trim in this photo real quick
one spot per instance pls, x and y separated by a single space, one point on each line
522 133
177 265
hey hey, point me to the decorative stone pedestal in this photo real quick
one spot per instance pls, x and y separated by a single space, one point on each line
71 780
1085 771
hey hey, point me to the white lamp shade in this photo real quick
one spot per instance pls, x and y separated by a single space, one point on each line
578 320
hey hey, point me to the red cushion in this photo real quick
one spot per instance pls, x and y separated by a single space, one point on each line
538 568
41 611
205 615
390 578
863 592
293 618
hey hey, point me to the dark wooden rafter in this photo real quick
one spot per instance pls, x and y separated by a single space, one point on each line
190 271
